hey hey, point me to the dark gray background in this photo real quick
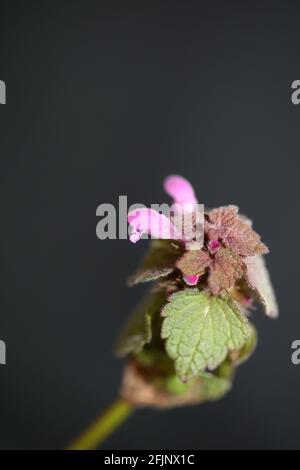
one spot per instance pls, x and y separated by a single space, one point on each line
107 98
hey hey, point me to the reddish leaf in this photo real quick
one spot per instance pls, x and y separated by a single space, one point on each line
236 233
194 262
226 268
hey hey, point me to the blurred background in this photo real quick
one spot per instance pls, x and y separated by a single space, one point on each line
106 98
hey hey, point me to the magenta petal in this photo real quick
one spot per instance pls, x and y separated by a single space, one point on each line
151 222
191 280
214 246
180 190
135 236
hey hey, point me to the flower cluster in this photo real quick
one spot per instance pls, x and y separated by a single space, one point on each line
230 255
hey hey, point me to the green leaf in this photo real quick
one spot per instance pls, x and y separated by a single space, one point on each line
138 330
175 386
200 330
214 387
159 262
241 355
208 386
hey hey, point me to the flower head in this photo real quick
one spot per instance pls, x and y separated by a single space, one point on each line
229 255
181 223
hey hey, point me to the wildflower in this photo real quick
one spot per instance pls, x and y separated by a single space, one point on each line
182 222
231 251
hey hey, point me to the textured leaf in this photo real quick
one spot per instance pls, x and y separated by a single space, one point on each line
220 221
194 262
201 329
147 275
244 241
227 267
259 280
235 232
138 330
241 355
159 262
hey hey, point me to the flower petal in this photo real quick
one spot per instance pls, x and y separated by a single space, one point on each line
214 246
180 190
151 222
191 280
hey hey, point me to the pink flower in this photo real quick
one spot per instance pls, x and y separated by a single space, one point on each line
227 257
214 246
191 280
148 221
180 190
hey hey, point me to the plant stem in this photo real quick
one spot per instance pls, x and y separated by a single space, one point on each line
105 425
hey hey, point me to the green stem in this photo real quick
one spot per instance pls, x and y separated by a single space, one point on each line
105 425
